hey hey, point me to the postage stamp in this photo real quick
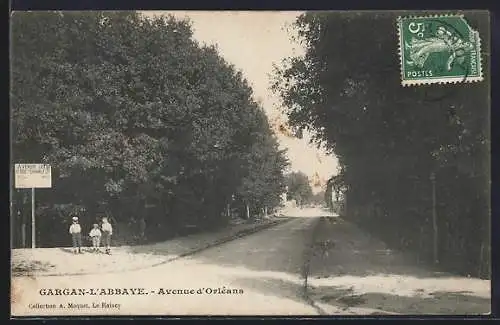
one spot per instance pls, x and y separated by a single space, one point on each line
438 49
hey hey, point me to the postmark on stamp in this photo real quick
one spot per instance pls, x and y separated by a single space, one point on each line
438 49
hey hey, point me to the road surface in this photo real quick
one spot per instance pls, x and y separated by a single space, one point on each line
262 273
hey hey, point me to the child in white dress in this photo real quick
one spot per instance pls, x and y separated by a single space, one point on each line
95 235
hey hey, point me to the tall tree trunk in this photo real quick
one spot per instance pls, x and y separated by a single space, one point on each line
421 245
481 260
23 235
434 222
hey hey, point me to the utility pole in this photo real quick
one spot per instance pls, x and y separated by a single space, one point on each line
434 218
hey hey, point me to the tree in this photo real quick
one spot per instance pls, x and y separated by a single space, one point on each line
136 118
318 199
389 139
299 188
264 181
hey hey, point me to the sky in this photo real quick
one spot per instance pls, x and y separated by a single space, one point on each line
253 41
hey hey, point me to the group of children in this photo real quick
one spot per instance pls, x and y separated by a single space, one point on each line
104 232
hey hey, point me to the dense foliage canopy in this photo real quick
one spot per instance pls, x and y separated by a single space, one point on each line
137 121
389 139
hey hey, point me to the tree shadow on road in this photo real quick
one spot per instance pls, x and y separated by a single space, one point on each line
288 249
174 248
277 249
68 250
341 248
71 251
200 241
273 286
435 303
276 263
22 268
342 300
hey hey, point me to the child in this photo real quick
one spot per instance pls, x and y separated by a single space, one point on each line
76 235
95 234
107 231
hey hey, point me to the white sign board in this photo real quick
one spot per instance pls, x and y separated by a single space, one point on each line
32 176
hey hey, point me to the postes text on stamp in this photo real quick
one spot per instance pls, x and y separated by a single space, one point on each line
438 49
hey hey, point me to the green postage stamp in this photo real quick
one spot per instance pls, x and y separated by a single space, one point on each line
438 49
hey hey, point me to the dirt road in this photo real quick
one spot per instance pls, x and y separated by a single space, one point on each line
306 266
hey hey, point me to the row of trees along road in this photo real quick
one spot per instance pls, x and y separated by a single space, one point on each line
137 121
298 188
390 139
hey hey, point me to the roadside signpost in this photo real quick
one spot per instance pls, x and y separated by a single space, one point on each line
32 176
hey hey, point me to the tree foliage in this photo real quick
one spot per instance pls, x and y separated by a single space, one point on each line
389 138
133 113
299 188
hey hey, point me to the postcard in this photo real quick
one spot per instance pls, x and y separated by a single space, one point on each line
283 163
